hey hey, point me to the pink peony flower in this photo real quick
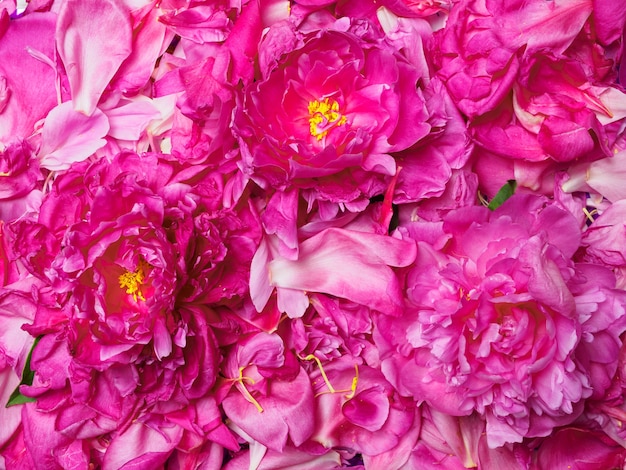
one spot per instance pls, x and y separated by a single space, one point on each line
497 321
144 253
326 115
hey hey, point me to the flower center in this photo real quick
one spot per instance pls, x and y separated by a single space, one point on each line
323 116
133 281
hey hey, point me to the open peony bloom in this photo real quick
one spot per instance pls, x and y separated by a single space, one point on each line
143 255
326 114
497 323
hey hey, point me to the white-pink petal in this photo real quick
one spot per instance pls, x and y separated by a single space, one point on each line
69 136
350 265
93 38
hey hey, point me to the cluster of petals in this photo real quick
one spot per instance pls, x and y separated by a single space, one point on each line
312 234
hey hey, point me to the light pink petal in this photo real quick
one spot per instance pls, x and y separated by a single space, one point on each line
350 265
292 301
502 457
140 447
16 310
260 287
544 25
69 136
604 176
131 119
93 39
9 417
289 458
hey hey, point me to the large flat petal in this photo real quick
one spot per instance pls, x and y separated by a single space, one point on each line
69 136
350 265
93 39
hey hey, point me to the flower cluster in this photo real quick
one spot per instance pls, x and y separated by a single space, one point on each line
312 234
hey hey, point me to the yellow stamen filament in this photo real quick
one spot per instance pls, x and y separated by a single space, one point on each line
311 357
482 199
331 389
355 381
590 215
323 116
245 392
133 281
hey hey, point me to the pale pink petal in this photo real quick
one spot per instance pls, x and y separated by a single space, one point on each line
288 411
9 417
350 265
69 136
93 39
260 287
292 301
130 120
141 447
604 176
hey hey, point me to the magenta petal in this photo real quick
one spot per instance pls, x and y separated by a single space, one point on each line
25 104
69 136
93 39
540 25
579 449
350 265
564 140
368 409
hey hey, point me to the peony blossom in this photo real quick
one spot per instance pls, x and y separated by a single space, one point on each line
326 115
496 323
142 254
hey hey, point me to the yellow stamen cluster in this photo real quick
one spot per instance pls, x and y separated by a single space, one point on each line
323 116
133 281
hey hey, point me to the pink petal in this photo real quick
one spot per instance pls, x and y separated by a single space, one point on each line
131 119
69 136
141 447
609 19
544 25
9 417
350 265
25 103
93 39
149 38
260 287
579 449
368 409
287 411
